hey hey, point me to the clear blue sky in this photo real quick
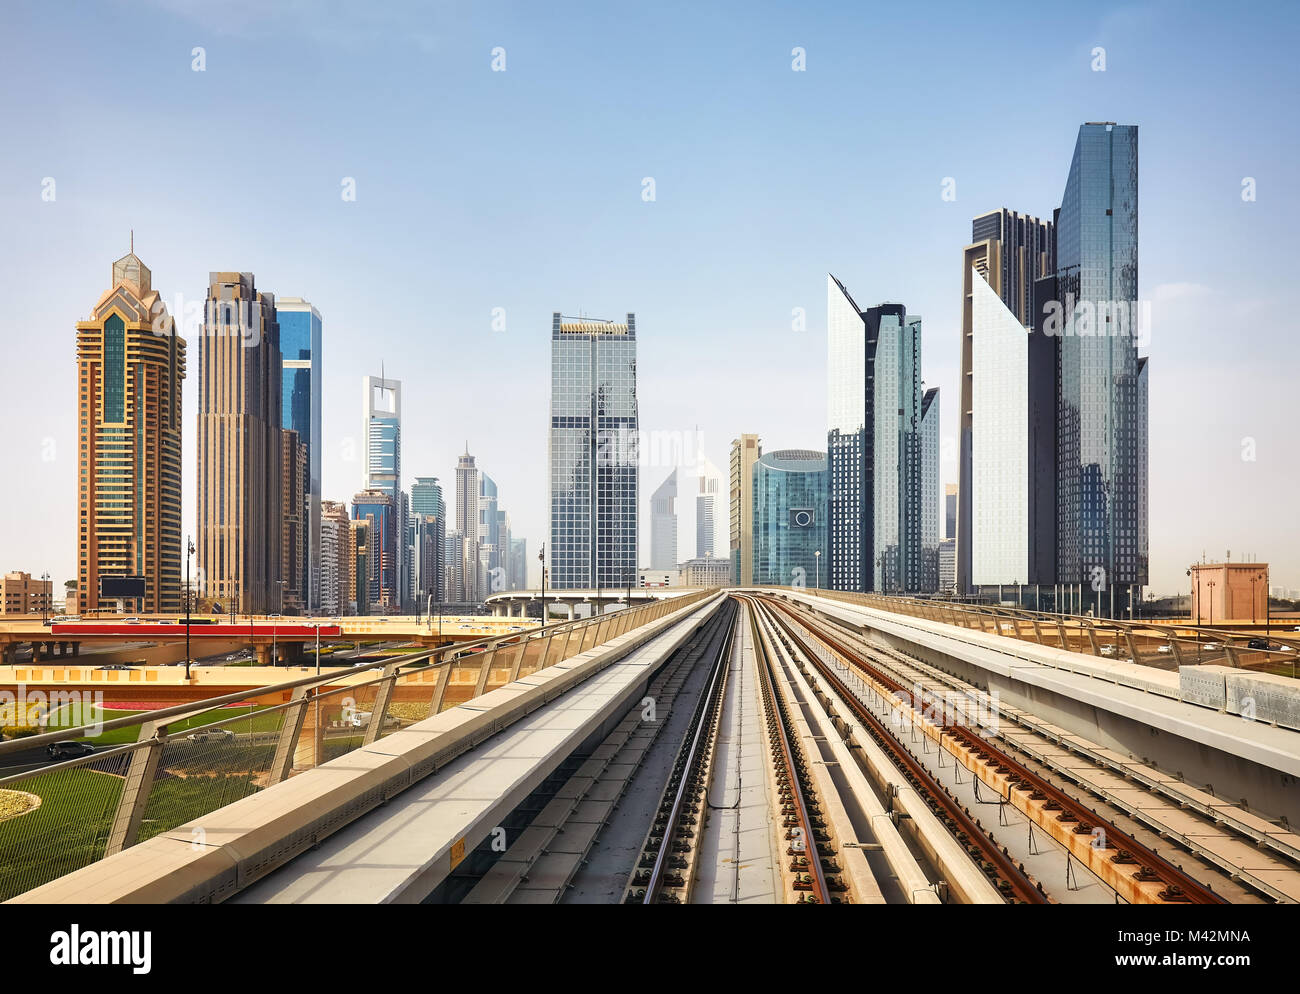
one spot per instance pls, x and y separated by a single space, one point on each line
522 190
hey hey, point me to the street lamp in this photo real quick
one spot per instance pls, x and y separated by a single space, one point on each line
189 551
817 555
542 556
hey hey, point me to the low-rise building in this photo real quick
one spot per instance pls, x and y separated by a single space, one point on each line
21 594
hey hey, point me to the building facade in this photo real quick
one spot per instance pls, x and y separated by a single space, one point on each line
379 511
706 571
129 443
593 453
929 495
1101 414
337 560
240 510
300 398
382 430
706 511
467 521
1223 592
1006 507
21 594
745 452
791 492
430 514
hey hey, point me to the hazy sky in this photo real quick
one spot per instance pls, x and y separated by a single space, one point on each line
523 189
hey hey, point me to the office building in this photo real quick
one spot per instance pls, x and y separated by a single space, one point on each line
129 444
382 430
467 525
706 571
592 454
337 559
378 509
1006 495
947 566
362 571
300 399
21 594
454 567
745 452
706 510
518 564
429 512
292 588
790 494
929 496
663 524
950 510
1101 494
240 509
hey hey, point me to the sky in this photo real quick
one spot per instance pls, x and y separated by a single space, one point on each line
524 189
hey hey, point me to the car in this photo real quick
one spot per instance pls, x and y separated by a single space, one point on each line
1108 649
131 621
69 749
212 735
164 622
1165 648
115 666
1212 645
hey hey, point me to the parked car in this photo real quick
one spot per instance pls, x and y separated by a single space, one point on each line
69 749
115 666
1270 646
212 735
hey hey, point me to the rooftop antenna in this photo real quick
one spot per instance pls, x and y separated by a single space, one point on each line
133 241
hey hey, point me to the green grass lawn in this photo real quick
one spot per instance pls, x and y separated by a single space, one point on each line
119 736
68 831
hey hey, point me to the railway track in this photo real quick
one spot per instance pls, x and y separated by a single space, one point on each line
666 869
1009 878
1113 855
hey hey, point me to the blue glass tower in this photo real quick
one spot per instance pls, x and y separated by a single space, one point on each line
300 406
790 501
1101 423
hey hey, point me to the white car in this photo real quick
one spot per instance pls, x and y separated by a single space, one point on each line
1108 650
1212 645
212 735
1165 648
131 621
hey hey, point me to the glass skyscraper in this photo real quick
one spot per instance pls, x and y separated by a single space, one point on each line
382 406
1101 423
790 500
429 512
593 453
663 525
300 405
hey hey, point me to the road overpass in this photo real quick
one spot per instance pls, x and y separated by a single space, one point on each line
509 603
553 745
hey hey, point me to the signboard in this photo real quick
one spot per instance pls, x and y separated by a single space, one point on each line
113 587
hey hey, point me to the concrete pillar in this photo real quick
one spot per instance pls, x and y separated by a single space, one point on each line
573 610
263 653
76 648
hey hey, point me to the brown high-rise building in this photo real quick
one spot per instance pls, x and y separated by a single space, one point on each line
130 365
240 505
294 521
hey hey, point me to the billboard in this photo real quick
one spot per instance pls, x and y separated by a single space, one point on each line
113 587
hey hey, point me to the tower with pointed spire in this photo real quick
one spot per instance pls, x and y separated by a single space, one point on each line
131 363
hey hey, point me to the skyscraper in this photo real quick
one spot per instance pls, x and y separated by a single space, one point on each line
240 509
467 516
379 510
382 430
129 442
593 453
896 451
1101 420
300 393
663 524
489 528
430 514
882 455
706 510
929 495
745 451
294 505
950 511
1006 495
790 494
337 559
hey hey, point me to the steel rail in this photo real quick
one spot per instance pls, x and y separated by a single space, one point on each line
776 709
1177 882
1017 881
700 722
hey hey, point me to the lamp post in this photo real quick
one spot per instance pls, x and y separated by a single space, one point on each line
47 596
542 556
817 555
189 551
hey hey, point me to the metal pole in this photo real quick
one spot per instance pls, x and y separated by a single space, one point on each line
189 551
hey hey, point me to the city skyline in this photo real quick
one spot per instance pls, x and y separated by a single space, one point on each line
1201 461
